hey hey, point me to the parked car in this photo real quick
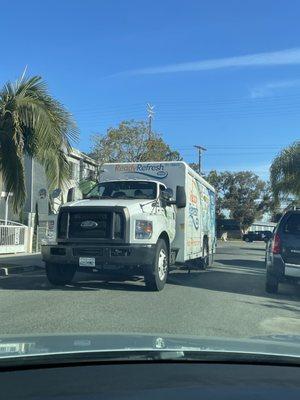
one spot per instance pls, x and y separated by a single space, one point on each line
257 236
283 252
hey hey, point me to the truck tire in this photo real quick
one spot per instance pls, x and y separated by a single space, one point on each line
156 274
204 260
59 274
272 283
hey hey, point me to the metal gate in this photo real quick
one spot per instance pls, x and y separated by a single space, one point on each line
13 237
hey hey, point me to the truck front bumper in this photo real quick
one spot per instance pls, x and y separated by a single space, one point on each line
104 255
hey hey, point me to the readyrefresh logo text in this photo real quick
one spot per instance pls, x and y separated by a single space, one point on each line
125 168
151 170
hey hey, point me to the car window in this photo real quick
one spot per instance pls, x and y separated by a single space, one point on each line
292 225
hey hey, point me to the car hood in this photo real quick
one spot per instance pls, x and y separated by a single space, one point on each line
14 346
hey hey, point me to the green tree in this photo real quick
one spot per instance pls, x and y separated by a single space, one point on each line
285 173
194 166
241 193
85 185
269 204
131 142
34 123
217 181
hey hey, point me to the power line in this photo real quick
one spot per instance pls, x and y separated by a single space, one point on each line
191 116
191 111
181 102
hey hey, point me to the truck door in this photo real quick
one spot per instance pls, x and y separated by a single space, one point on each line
169 213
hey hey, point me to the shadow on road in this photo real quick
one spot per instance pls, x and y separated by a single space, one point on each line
242 283
110 282
280 305
253 248
82 282
237 276
242 263
229 275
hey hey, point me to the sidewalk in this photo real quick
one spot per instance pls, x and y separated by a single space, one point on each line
19 263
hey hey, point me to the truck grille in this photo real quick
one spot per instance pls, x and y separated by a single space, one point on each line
90 225
87 252
98 224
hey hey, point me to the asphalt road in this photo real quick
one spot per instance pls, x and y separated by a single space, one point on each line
226 300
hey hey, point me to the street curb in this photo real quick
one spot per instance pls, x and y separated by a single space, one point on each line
12 270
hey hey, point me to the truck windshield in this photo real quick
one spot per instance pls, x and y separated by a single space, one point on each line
124 190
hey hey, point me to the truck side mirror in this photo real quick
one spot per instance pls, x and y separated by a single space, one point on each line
166 194
71 194
180 197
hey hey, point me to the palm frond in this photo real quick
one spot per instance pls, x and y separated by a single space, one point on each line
57 167
32 122
285 172
12 170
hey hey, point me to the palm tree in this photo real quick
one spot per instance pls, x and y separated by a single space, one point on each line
35 124
285 172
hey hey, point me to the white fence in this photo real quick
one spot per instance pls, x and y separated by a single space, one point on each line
14 237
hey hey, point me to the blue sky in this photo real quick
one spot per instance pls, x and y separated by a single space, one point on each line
222 74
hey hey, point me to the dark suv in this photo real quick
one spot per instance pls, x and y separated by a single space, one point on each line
257 236
283 252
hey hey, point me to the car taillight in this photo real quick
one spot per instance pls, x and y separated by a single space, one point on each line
276 245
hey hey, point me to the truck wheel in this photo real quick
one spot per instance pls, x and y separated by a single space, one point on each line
156 275
59 274
247 240
204 260
271 284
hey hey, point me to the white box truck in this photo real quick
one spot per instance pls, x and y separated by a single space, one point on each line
142 218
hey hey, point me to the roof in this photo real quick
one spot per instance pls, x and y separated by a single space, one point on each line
81 156
264 223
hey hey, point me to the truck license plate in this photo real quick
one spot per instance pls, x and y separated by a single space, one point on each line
86 262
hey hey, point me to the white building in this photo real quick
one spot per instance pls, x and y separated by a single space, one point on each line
262 226
38 194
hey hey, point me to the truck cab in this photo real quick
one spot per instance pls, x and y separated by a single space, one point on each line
123 224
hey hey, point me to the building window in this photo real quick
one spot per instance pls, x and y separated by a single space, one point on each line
91 174
74 171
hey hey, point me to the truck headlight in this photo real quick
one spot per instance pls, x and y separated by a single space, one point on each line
143 229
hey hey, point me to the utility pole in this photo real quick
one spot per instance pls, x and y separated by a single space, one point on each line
150 112
200 150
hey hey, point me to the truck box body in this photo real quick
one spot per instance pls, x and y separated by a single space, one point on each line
194 221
